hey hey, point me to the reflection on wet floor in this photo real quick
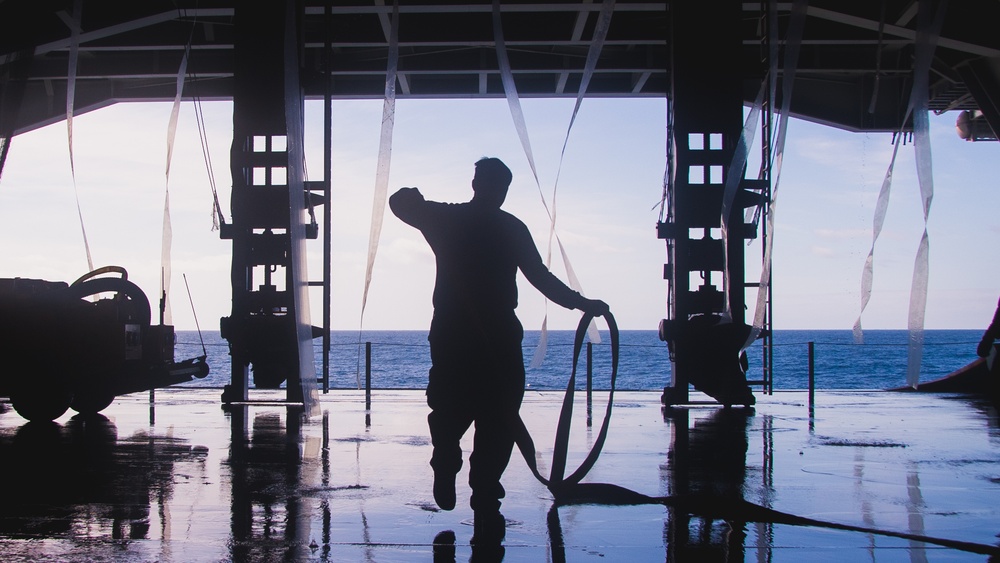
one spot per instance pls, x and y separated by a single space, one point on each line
707 457
911 477
80 476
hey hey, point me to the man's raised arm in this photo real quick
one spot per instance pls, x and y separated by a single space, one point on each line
406 204
553 288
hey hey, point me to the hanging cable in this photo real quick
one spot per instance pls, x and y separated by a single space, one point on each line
194 314
668 170
167 229
217 217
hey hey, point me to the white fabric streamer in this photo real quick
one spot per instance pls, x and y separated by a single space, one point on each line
165 246
593 54
74 56
296 205
881 207
793 42
513 100
928 32
384 160
918 306
168 235
733 180
517 114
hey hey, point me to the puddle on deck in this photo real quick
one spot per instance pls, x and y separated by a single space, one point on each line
187 481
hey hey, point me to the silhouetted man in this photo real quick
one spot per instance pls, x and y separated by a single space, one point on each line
991 334
477 368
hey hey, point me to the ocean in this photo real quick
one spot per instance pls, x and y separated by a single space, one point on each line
401 359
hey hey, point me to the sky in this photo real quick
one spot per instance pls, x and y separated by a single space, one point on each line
607 207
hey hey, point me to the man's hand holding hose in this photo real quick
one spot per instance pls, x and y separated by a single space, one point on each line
595 307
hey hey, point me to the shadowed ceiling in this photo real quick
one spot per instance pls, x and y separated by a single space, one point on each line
131 51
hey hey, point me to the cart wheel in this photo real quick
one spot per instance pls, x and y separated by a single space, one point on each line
42 403
92 401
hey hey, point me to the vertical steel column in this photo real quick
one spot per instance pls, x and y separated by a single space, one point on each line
707 109
768 53
328 187
263 329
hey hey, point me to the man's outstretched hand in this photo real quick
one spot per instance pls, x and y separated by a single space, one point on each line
407 195
595 307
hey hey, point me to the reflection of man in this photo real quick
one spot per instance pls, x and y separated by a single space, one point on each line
477 369
991 334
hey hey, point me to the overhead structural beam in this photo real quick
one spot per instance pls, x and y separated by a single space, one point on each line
889 29
130 53
581 22
125 27
488 8
383 20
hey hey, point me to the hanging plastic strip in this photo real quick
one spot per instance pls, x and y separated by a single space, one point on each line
514 102
297 211
793 43
168 235
384 160
881 207
734 178
928 31
593 54
74 56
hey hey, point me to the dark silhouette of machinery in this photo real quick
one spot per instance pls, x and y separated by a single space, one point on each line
63 346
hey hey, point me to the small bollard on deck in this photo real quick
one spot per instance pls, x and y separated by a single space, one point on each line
590 384
812 376
368 376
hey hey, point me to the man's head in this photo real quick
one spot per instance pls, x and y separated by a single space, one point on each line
491 181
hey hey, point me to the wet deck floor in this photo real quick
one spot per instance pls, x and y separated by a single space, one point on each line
186 481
